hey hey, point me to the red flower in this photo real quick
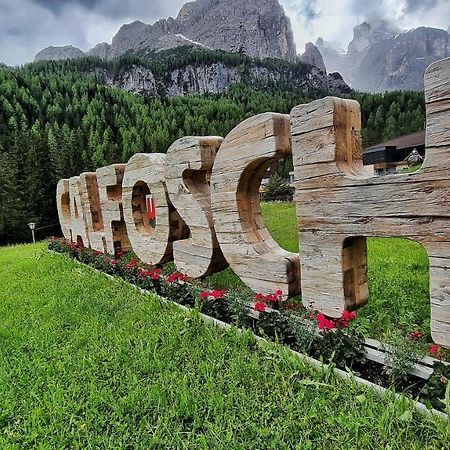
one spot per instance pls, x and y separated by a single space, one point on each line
434 349
324 323
270 298
348 316
98 253
132 264
259 296
114 262
259 306
177 277
155 274
290 306
416 335
279 293
212 294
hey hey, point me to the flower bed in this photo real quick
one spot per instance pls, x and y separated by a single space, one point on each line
313 334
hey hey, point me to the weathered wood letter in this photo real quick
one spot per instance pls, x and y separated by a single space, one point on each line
246 153
109 180
77 219
340 202
63 205
90 200
189 164
144 176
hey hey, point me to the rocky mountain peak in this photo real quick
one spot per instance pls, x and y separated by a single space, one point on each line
258 28
59 53
100 50
313 57
367 34
382 58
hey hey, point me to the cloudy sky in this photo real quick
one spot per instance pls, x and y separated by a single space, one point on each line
27 26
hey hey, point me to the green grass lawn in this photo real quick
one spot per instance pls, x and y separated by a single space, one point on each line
398 278
87 362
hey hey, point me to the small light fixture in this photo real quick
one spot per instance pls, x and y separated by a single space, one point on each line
32 226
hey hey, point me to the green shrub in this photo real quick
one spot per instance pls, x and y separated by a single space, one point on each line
278 188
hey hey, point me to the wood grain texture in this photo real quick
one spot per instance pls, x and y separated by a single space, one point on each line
244 156
144 175
63 206
188 170
109 181
340 202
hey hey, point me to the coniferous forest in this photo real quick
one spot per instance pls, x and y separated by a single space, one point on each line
58 120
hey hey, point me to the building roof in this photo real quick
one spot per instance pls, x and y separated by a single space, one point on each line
410 140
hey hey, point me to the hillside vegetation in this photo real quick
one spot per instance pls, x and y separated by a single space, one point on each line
57 120
87 362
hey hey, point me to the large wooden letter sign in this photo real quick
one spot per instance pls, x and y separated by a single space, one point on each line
205 192
340 202
245 155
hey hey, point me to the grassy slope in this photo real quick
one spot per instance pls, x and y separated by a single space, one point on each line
86 362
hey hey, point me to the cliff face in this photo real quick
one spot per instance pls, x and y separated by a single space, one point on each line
381 58
215 78
258 28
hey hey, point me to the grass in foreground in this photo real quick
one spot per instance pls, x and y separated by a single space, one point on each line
86 362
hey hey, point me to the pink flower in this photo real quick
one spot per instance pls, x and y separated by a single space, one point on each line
132 264
259 306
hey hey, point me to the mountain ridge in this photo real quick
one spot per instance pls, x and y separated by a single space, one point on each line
259 29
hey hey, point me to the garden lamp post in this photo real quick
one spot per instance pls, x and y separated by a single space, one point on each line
32 226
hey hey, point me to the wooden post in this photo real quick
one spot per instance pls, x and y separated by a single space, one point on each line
188 169
245 155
